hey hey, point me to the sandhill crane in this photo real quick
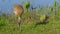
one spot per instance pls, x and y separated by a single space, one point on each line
18 10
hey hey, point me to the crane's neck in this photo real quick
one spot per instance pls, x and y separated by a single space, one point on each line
19 21
19 18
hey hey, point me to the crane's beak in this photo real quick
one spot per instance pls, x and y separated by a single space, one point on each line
19 22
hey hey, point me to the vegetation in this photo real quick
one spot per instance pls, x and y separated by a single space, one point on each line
35 22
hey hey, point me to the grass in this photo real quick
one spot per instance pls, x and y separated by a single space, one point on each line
8 25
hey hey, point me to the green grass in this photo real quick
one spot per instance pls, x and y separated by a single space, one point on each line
8 25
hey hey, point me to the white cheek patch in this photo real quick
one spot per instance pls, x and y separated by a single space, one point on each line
15 12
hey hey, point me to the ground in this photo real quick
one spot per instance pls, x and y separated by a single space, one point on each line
8 25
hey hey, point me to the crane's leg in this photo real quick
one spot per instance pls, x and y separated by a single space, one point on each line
19 21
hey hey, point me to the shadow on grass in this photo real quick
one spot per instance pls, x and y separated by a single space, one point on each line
41 23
